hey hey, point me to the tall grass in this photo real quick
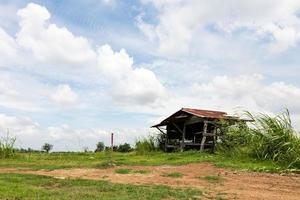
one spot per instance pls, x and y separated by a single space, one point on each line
266 138
274 138
146 145
7 146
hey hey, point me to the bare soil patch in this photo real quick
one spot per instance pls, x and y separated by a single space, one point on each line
231 184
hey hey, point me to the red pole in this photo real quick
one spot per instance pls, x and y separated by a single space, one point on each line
112 141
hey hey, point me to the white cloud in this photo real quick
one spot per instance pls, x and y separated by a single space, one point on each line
64 95
8 49
56 47
129 84
49 43
64 138
22 92
180 23
248 92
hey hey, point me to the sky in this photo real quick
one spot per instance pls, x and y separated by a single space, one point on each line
72 72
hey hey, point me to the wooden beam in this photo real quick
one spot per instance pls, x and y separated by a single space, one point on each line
177 128
183 137
165 138
214 139
160 130
204 136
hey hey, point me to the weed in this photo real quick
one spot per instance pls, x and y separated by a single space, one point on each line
141 171
123 171
173 174
213 179
7 146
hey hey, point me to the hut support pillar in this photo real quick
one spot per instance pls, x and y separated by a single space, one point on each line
204 136
182 141
165 137
183 135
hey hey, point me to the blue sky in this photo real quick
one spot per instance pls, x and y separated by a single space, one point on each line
71 72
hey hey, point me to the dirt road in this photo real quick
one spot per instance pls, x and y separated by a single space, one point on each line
210 179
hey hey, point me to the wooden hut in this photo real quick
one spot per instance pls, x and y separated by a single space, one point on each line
193 129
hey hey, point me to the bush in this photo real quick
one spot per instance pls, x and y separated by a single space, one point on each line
274 138
236 138
267 138
47 147
145 145
7 146
124 147
99 147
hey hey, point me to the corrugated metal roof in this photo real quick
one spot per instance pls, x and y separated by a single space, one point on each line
205 113
211 114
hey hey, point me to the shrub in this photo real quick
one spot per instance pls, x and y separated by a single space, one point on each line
47 147
99 147
274 138
236 138
147 144
124 147
7 146
266 138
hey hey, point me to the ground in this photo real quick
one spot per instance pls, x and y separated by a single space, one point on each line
186 180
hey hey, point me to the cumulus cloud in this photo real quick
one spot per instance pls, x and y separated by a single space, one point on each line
129 84
180 23
64 137
53 46
48 42
22 92
247 92
8 49
64 95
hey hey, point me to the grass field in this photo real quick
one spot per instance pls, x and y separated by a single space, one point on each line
106 159
17 186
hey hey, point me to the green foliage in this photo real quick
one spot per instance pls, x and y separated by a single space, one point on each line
47 147
99 147
266 138
21 186
212 179
141 171
130 171
123 171
7 146
274 138
147 144
124 147
173 174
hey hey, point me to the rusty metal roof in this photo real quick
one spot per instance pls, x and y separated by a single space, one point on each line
210 114
205 113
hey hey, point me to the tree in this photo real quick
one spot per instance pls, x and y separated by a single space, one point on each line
99 146
47 147
124 147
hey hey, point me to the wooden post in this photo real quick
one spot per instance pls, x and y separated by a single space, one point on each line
183 137
112 141
165 138
204 136
214 139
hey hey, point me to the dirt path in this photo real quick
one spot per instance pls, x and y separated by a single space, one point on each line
231 184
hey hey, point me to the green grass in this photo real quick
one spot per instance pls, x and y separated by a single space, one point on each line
173 174
213 179
141 171
17 186
123 171
108 159
130 171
